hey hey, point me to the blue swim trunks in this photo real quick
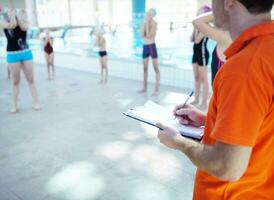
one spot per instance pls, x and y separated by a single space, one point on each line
19 56
150 50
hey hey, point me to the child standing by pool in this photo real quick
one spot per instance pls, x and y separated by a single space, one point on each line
49 55
19 56
101 43
148 33
200 61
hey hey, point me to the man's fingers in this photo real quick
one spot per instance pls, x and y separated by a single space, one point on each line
183 112
175 109
161 126
179 106
184 121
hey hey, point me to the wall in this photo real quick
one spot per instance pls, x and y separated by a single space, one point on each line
203 2
17 3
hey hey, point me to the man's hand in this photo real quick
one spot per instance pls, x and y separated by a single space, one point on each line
189 115
169 136
224 161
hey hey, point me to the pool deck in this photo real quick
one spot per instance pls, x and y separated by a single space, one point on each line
81 147
132 70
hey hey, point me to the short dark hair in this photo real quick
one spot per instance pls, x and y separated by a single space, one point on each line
257 6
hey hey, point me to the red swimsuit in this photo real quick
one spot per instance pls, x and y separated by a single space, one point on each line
48 48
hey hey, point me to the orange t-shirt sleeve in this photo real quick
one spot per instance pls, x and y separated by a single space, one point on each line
241 105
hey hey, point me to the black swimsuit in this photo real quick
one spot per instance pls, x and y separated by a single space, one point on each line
200 53
17 39
102 53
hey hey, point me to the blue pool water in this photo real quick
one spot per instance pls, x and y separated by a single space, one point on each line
174 48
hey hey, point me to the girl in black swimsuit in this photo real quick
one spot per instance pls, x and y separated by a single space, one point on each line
49 55
19 56
200 62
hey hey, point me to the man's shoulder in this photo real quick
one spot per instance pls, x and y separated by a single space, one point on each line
254 55
254 63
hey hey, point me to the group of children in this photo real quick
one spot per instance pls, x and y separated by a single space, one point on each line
19 55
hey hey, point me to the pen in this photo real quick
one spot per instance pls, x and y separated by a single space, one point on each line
189 96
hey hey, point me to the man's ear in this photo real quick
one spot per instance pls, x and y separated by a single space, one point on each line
229 4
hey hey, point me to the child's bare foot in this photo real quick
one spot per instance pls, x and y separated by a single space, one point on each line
36 106
13 110
155 93
100 82
142 91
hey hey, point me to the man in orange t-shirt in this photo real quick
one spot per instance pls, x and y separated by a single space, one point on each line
235 160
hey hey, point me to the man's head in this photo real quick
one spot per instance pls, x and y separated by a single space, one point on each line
221 19
253 6
239 15
257 6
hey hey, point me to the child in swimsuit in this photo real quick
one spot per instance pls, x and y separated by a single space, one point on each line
148 33
199 62
216 30
19 56
49 55
101 43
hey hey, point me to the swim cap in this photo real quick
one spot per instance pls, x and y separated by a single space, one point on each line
205 9
154 12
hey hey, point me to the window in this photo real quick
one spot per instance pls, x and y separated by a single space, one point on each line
52 13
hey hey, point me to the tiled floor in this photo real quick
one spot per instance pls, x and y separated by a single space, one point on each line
81 147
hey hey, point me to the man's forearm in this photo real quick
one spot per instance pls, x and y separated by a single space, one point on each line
202 156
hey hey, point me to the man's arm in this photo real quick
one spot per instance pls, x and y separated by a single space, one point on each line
224 161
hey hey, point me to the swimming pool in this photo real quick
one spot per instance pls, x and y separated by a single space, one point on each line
175 48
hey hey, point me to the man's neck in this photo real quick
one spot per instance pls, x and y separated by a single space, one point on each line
239 26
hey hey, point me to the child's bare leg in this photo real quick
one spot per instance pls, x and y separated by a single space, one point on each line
145 63
106 69
102 71
157 72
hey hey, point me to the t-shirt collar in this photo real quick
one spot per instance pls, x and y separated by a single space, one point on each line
247 36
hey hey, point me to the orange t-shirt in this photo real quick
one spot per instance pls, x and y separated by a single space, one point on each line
241 112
